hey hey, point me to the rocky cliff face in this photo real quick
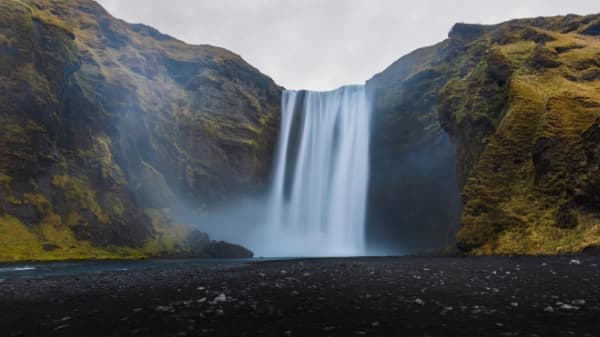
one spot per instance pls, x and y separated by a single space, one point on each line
414 200
106 126
524 120
521 103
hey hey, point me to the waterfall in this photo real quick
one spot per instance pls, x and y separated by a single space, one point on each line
317 201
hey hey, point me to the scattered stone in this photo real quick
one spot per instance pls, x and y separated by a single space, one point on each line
202 300
575 262
64 319
221 298
569 307
200 288
548 309
514 304
164 308
136 310
419 301
375 324
578 302
220 312
61 327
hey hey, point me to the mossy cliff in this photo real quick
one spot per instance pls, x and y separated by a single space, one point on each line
106 127
521 103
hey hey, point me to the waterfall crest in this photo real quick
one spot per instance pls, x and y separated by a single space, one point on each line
317 202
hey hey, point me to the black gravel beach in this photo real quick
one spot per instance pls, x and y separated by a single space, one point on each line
403 296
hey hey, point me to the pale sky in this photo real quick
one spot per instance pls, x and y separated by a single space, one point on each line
323 44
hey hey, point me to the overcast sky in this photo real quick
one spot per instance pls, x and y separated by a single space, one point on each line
322 44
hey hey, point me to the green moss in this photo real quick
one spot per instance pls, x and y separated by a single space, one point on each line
17 242
5 182
117 206
40 202
509 207
79 191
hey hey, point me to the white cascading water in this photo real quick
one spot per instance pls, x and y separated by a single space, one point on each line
317 203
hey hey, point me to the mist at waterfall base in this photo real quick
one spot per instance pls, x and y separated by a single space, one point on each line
316 201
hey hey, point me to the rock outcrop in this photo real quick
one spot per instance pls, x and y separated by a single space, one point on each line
414 200
521 103
106 127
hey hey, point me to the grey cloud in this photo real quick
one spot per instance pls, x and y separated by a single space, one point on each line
322 44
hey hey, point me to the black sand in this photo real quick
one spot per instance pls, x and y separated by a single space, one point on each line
409 296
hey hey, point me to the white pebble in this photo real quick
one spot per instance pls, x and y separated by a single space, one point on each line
569 307
220 298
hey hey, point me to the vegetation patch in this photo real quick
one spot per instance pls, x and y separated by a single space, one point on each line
77 190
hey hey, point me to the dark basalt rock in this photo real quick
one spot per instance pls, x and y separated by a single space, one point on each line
587 177
198 242
467 31
590 75
543 58
224 250
593 29
566 218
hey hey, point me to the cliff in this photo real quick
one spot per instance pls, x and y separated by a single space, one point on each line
107 128
414 199
521 103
